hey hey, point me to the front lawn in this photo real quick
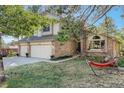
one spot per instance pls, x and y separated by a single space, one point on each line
73 73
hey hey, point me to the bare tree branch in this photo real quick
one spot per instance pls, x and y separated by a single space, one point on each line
100 16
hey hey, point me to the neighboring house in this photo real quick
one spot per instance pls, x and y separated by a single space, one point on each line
102 45
44 45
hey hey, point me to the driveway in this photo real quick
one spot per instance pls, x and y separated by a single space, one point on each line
17 61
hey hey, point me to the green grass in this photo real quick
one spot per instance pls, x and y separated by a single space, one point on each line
73 73
121 62
47 74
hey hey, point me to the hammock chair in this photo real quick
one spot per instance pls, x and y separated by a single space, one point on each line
110 63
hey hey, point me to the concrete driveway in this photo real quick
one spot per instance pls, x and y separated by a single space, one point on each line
17 61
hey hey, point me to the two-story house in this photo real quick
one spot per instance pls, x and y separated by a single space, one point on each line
44 44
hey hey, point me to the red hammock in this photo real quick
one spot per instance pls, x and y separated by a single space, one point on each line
110 63
107 64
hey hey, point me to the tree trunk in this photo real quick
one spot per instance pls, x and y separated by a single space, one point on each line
2 75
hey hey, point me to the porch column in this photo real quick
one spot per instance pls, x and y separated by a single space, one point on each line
83 44
29 49
19 49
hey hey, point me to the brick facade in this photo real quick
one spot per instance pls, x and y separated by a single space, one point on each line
112 48
64 49
58 49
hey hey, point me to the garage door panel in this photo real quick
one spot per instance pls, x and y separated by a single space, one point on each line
41 51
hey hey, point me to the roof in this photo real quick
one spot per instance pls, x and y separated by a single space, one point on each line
37 38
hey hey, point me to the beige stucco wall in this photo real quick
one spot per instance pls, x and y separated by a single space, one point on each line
54 29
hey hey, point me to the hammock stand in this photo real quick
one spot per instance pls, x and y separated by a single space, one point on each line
111 63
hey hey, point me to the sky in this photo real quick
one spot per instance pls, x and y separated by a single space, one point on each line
115 14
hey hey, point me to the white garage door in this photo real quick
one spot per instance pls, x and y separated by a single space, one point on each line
23 50
41 51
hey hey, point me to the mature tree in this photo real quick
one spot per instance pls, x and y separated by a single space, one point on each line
107 27
16 21
70 30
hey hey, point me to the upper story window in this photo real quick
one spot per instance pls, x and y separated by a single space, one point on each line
97 43
96 37
46 28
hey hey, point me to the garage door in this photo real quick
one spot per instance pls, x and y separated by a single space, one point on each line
41 51
23 50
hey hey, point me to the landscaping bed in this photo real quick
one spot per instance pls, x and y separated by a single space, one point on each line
59 58
73 73
121 61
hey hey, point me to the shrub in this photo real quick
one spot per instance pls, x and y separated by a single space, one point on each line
121 62
11 54
62 36
59 58
95 58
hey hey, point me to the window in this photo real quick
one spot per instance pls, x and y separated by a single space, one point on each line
97 43
96 37
46 28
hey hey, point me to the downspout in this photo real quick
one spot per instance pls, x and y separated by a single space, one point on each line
52 28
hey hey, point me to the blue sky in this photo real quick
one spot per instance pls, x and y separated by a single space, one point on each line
8 39
115 14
